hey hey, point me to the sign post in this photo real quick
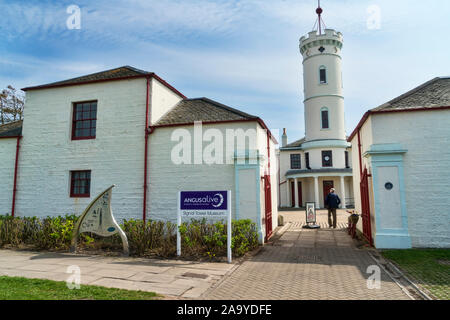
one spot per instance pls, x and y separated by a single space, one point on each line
205 204
98 219
311 220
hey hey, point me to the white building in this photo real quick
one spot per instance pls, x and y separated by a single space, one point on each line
401 164
82 135
313 165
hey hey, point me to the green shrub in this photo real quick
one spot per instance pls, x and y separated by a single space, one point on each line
153 238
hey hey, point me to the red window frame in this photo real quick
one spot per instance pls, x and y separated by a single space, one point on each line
84 120
82 189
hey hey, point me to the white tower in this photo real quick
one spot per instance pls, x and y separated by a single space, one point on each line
322 77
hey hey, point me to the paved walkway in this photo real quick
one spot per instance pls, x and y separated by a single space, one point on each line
173 278
301 264
307 264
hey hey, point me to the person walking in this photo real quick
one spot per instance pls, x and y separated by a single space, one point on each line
332 202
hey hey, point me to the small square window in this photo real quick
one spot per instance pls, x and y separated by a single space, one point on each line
80 184
296 161
84 125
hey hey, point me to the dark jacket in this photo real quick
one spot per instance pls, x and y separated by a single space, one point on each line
332 201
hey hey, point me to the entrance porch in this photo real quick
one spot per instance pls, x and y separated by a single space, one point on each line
314 185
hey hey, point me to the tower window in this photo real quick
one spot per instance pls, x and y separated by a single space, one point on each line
296 161
323 75
325 118
347 164
327 158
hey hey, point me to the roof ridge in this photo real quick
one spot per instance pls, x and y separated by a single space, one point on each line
132 69
228 108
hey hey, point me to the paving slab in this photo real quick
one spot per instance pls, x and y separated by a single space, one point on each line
322 264
166 277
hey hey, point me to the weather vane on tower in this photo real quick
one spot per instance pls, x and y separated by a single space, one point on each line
319 21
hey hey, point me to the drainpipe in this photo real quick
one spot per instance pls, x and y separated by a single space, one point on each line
360 155
144 209
16 166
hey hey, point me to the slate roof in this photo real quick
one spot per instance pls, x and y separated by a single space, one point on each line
188 111
432 94
116 73
11 129
295 144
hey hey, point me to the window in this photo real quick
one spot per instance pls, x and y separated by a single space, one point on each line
80 184
84 120
322 75
325 119
347 165
296 161
307 160
327 159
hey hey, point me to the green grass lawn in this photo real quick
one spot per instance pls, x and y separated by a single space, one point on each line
428 268
16 288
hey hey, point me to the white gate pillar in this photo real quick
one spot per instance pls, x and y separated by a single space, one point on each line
343 196
316 192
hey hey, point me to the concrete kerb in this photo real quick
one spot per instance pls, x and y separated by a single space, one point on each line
376 257
391 268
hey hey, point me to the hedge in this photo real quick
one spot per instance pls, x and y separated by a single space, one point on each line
154 238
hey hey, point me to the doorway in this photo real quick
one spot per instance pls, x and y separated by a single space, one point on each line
300 198
292 194
327 186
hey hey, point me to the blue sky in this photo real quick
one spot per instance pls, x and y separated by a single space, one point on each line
240 53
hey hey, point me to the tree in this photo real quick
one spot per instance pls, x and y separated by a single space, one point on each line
11 105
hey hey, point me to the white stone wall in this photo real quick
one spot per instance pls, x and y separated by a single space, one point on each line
7 162
162 100
426 136
115 156
166 178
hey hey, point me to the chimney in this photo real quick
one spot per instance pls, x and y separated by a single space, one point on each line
284 139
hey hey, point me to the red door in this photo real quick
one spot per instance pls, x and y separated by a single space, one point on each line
292 194
327 186
365 207
268 206
300 199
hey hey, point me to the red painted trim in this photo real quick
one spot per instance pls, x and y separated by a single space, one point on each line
10 137
16 167
360 153
359 126
144 209
155 76
152 75
368 113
